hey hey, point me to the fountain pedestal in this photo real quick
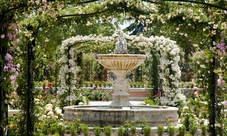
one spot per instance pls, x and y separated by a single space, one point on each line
120 87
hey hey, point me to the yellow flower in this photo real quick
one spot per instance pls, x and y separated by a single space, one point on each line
11 96
11 126
40 96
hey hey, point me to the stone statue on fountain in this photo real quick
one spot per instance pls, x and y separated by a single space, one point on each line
121 45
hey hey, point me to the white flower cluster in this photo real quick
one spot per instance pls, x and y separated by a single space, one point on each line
68 64
168 61
51 112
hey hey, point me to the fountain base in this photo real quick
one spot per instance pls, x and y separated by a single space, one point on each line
115 117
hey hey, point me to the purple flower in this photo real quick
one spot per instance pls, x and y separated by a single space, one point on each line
10 36
10 64
6 68
8 57
221 45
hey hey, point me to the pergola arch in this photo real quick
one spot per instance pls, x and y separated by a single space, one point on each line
168 61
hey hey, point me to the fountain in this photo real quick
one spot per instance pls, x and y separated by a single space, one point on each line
120 109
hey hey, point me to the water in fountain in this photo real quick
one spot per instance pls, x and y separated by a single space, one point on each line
120 109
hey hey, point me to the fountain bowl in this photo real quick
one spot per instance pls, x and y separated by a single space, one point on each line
104 115
121 61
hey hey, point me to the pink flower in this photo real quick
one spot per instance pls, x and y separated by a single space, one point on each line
2 36
18 66
13 26
12 78
12 48
224 103
16 73
10 64
220 82
44 2
13 69
6 68
4 25
40 10
16 40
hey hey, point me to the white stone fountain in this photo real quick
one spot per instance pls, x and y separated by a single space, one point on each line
121 110
120 63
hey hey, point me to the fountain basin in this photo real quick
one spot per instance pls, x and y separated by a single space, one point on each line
115 117
121 61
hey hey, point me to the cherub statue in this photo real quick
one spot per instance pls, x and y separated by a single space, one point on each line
121 45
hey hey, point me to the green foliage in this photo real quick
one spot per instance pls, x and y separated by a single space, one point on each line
53 128
99 95
181 130
187 135
108 130
193 129
129 126
147 131
61 128
204 130
97 130
120 131
155 72
133 130
160 130
149 101
56 134
85 129
171 130
73 130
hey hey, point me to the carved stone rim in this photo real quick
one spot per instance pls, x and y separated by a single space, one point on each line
128 56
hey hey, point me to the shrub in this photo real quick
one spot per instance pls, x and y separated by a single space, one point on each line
85 130
108 130
193 129
99 95
97 130
73 130
204 130
181 131
56 134
120 131
147 131
171 130
60 129
133 130
127 126
160 130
